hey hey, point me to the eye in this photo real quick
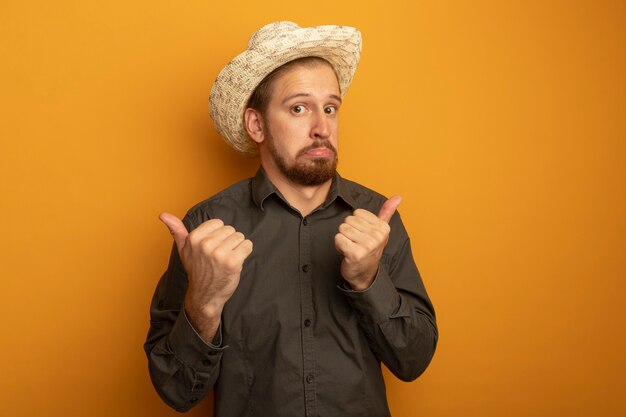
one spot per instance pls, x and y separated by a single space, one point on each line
330 110
298 109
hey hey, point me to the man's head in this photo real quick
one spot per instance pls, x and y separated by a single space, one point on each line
293 117
269 48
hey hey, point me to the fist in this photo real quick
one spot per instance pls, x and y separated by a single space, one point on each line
361 239
213 255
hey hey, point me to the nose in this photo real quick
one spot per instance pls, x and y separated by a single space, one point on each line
321 127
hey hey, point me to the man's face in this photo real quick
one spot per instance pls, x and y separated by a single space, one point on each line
301 125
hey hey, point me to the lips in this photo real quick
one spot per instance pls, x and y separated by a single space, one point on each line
323 150
320 153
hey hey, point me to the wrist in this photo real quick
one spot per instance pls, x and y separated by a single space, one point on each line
360 287
362 284
205 311
204 319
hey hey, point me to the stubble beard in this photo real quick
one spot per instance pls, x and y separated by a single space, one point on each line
311 172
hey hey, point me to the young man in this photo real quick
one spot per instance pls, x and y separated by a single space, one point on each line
286 291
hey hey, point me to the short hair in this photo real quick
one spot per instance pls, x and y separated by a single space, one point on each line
262 94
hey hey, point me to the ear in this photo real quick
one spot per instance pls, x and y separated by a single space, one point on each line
254 124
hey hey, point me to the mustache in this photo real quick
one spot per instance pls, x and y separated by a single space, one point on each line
318 144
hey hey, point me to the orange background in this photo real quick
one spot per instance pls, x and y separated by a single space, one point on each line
501 123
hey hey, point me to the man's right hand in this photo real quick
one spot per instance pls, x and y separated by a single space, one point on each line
213 255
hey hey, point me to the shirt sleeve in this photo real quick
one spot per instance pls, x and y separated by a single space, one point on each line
395 312
183 367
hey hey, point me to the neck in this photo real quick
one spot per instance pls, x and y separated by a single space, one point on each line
303 198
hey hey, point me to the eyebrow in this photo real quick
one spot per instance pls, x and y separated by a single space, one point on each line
291 97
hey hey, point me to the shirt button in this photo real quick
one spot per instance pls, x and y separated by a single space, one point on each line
305 222
309 378
305 268
199 386
307 323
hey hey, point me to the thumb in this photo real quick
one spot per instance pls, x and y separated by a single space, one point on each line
176 228
389 207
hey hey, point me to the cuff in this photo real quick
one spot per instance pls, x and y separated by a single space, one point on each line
379 302
187 344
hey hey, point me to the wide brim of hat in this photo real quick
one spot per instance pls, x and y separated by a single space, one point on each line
339 45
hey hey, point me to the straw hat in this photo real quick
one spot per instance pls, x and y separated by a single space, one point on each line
268 48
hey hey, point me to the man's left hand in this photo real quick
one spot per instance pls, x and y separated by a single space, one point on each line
361 240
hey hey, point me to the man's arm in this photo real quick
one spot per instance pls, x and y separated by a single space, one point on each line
184 345
183 367
393 310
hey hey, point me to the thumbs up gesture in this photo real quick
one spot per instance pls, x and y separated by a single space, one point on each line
213 256
361 240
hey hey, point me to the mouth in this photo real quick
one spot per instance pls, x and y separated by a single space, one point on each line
319 153
319 150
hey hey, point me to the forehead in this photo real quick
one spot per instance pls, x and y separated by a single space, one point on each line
317 77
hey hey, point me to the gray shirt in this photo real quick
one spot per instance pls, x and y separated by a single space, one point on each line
294 340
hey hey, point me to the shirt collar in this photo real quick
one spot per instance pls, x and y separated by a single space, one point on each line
340 188
263 188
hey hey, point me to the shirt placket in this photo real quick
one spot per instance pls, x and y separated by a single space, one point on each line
307 317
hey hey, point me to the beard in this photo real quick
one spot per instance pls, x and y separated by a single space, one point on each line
310 172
